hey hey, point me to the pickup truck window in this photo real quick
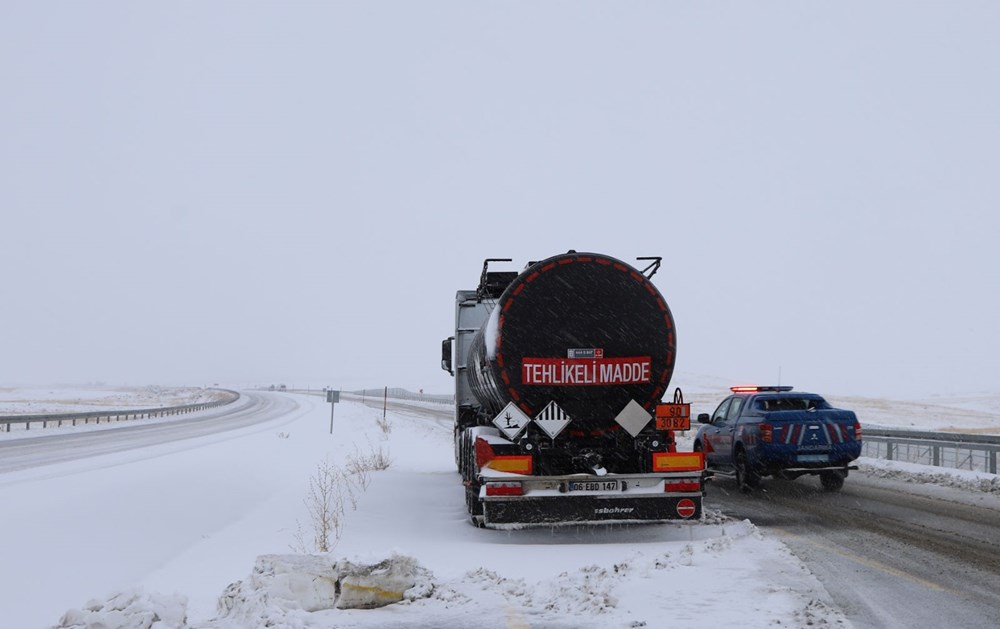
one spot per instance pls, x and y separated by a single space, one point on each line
788 403
720 413
734 409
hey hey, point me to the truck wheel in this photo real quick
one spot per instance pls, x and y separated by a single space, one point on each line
746 478
831 481
462 449
472 501
705 474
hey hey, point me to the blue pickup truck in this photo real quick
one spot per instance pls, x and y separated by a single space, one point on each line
765 431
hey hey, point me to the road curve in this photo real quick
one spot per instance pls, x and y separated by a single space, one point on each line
891 553
252 408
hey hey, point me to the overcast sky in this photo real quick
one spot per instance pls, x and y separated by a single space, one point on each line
242 192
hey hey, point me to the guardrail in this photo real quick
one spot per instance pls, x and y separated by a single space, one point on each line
111 415
391 392
941 449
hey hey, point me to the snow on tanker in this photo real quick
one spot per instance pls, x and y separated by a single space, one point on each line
560 372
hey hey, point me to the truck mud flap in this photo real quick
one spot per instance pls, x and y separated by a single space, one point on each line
589 509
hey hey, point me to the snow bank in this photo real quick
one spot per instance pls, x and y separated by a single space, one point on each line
639 590
923 474
129 609
282 591
284 586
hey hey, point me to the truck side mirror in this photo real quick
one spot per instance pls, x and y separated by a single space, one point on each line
446 355
704 418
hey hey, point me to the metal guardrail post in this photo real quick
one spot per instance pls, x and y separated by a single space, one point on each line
950 450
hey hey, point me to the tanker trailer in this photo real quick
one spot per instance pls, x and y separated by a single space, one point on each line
560 372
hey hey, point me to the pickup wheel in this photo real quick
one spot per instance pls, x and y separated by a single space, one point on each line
746 478
831 481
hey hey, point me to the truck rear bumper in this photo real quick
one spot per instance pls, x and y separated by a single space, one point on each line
552 501
575 510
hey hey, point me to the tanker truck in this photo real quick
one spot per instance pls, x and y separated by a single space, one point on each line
560 373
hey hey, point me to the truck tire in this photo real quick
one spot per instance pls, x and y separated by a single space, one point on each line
472 501
746 478
832 480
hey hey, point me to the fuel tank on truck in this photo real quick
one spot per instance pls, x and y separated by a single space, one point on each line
586 331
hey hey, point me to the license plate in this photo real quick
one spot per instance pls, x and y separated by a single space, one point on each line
594 485
813 458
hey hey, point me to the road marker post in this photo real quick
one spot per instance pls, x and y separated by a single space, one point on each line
332 397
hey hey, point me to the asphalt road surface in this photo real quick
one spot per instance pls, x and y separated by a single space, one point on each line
891 553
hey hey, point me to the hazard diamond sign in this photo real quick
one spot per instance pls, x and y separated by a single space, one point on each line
511 421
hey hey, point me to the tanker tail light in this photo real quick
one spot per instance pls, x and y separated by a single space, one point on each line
505 488
685 486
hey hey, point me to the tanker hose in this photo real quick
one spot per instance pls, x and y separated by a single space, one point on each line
592 461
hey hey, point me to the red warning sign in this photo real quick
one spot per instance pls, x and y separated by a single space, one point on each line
686 507
585 371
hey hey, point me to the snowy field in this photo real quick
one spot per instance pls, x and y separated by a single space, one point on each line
39 400
121 541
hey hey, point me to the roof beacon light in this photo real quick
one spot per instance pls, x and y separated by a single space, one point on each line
759 389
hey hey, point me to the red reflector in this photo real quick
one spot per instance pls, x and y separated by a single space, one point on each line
484 452
504 489
685 485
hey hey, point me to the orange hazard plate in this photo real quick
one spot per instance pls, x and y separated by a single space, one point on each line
673 417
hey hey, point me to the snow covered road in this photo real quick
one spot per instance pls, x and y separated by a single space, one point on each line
892 553
96 510
183 508
189 517
41 447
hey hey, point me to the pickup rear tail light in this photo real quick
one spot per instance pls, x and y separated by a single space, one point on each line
766 433
504 489
857 430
